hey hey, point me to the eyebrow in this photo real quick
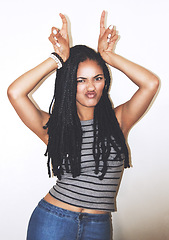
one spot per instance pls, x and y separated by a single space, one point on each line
100 74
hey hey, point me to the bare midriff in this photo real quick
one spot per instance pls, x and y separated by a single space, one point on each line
48 198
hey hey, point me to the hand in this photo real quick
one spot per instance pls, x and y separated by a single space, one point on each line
60 39
107 38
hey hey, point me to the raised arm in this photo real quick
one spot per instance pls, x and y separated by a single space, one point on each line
130 112
18 91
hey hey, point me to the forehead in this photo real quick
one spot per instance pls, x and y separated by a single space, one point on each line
89 68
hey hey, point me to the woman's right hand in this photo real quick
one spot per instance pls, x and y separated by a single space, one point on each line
60 39
18 91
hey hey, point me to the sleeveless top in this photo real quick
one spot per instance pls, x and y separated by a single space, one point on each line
87 190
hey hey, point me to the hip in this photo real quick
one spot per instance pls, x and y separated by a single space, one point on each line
52 222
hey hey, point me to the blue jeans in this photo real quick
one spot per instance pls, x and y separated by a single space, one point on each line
49 222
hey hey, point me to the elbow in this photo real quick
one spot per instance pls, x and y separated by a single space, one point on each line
12 93
9 92
154 84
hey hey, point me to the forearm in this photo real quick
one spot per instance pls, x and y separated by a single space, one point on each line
139 75
23 85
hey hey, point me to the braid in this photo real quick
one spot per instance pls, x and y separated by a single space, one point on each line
64 127
108 134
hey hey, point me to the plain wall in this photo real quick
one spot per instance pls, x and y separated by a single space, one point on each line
142 202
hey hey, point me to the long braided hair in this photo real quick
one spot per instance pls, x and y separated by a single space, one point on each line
64 127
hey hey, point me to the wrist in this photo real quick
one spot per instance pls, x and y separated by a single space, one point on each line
109 57
65 56
58 60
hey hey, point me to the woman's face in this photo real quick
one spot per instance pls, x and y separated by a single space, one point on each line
90 84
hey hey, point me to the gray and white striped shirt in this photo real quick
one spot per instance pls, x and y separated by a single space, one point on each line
87 190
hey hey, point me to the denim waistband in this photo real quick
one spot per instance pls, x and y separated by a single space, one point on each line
75 215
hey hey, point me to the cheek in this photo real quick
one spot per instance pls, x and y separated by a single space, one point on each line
80 89
100 87
79 92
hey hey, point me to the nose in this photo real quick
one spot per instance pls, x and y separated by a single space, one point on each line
90 86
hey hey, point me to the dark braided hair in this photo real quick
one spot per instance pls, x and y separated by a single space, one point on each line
64 127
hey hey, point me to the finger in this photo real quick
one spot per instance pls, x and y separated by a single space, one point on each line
57 44
109 37
55 30
110 33
54 40
114 39
64 22
55 34
112 42
51 39
102 20
113 30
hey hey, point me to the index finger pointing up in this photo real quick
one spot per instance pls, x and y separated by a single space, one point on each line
102 19
64 22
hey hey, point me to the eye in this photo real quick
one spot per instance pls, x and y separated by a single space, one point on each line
98 78
80 80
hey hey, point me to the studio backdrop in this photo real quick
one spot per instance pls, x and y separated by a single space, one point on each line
143 197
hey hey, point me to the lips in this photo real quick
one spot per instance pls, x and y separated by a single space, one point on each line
90 95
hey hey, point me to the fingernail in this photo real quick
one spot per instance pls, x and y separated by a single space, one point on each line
54 31
111 27
109 36
57 44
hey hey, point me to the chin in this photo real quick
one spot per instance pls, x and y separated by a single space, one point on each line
91 104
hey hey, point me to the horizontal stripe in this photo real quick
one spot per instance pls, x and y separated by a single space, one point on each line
87 190
87 137
85 201
97 176
82 194
87 143
100 184
90 185
96 190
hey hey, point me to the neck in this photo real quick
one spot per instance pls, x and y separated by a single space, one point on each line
85 113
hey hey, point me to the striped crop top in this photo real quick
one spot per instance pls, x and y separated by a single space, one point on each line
87 190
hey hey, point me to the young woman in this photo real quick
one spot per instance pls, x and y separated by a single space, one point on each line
85 136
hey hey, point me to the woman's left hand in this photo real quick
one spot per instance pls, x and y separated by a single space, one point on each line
131 111
107 39
60 39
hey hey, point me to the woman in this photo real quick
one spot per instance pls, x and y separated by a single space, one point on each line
85 137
